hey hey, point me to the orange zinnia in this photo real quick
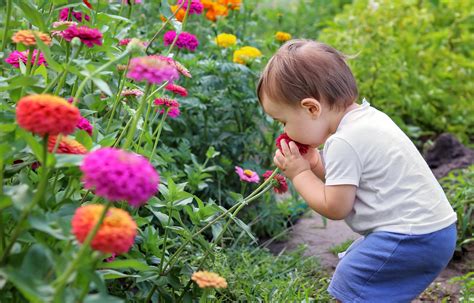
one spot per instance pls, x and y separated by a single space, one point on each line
209 279
66 146
27 37
47 115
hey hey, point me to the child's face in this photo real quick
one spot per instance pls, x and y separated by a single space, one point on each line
303 123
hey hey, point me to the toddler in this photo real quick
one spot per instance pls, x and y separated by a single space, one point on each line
369 173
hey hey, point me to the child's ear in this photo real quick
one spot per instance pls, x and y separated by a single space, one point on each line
312 106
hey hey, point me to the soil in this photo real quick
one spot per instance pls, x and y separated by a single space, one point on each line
319 239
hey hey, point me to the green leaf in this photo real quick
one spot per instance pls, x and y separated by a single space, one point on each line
102 85
109 274
32 14
53 64
68 160
21 195
5 201
134 264
32 143
83 137
101 298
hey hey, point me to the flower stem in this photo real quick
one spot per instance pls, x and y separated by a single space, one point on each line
136 117
160 127
31 50
37 198
8 14
118 95
62 80
61 281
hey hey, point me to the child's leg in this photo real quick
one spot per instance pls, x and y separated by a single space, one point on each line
391 267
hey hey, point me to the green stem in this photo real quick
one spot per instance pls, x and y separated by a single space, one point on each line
162 259
119 95
61 281
8 14
37 198
97 71
160 127
123 132
255 194
62 80
136 117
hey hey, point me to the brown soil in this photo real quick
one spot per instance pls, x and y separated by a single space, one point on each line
319 239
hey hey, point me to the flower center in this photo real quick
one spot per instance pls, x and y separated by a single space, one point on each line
248 173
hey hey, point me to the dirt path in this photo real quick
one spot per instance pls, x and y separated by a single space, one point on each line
310 230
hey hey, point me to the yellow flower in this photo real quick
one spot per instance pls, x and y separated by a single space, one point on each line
246 54
209 279
225 40
282 36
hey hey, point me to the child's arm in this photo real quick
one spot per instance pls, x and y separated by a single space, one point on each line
334 202
316 164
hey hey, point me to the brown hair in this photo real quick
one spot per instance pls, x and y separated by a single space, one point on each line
304 68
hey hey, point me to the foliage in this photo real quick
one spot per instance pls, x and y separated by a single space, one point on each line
413 60
459 190
341 247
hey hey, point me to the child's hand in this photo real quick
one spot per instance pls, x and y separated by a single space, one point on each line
313 157
290 160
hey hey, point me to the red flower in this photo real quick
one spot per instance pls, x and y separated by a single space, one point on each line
279 182
87 4
47 114
66 146
303 148
176 89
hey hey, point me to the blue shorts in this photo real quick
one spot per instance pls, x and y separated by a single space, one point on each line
392 267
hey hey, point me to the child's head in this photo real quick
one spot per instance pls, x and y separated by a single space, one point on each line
306 79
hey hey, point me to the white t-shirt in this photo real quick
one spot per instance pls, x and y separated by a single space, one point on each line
396 190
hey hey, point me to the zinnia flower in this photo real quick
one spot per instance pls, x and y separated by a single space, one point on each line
225 40
177 89
66 146
116 234
232 4
132 93
282 36
64 14
85 125
168 104
119 175
209 279
179 15
15 57
46 114
215 10
279 182
185 40
303 148
153 69
27 37
196 6
246 54
89 36
183 70
247 175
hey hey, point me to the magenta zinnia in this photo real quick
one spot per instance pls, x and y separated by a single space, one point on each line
196 6
89 36
85 125
64 13
247 175
16 56
119 175
279 182
153 69
168 104
185 40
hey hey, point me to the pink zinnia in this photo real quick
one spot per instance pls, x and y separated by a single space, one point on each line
132 92
303 148
170 104
185 40
152 69
85 125
15 57
125 41
196 6
89 36
119 175
247 175
64 13
279 182
176 89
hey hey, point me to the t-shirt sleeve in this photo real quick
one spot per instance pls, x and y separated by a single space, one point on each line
341 162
